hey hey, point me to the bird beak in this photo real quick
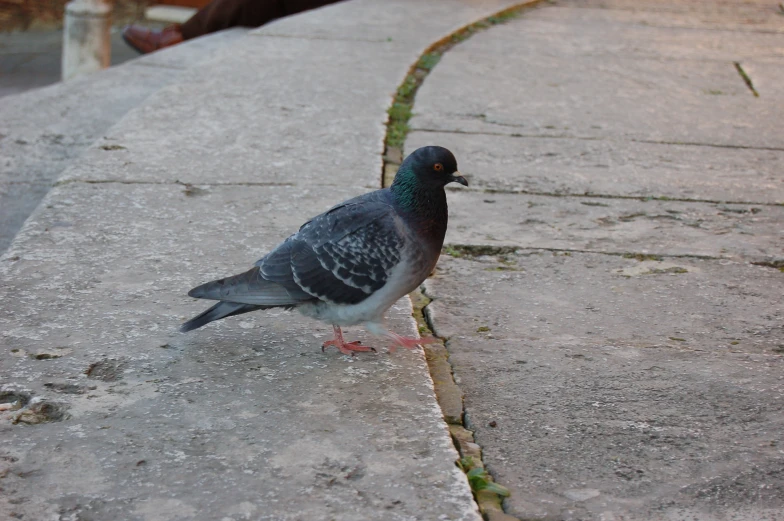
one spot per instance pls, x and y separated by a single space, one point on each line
457 178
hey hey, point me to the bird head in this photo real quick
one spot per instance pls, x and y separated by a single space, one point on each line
433 166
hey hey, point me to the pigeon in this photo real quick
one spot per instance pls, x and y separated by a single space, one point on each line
348 265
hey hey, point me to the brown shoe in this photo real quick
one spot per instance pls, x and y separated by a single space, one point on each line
146 40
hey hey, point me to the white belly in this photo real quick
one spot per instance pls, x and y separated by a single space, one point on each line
402 281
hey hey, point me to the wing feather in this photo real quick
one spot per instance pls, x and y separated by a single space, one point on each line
346 254
341 256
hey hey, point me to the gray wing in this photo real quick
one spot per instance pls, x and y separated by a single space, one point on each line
342 256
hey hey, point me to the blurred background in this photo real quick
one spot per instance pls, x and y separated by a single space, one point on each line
31 36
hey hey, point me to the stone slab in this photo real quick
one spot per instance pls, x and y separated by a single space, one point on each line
17 202
620 389
602 387
367 20
282 129
284 116
741 232
188 54
697 34
167 425
737 17
42 131
45 130
597 87
249 409
613 167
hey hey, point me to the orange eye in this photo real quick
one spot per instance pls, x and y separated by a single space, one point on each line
438 167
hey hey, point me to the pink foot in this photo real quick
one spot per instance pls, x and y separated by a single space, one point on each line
409 342
347 348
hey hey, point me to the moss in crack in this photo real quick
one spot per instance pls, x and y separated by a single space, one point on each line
397 128
402 106
488 494
642 257
449 396
479 479
775 263
429 60
450 250
479 250
746 79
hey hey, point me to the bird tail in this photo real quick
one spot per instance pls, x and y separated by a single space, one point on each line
217 312
243 293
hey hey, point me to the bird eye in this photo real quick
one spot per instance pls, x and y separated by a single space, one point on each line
438 167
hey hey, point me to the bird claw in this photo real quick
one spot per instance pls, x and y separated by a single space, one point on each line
351 348
347 348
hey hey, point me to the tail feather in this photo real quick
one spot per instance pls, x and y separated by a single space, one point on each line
251 288
217 312
243 293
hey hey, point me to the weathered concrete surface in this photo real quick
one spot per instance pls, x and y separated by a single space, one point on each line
250 411
42 131
605 387
263 129
614 166
632 85
619 391
741 232
246 419
396 22
269 118
751 15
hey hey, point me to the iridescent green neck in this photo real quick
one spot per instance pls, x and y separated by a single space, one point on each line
406 187
423 206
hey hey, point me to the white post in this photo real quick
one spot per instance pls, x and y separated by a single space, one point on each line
86 44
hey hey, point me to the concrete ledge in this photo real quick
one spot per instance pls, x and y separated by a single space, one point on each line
246 418
44 130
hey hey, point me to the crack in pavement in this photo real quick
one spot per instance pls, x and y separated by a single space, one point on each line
479 250
448 394
175 182
450 398
471 251
587 138
588 195
457 307
746 79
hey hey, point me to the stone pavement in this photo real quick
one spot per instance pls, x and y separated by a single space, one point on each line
612 297
43 131
110 413
610 293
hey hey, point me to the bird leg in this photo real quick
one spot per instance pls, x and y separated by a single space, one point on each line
379 330
408 342
347 348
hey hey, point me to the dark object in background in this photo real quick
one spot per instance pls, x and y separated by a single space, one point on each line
216 16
